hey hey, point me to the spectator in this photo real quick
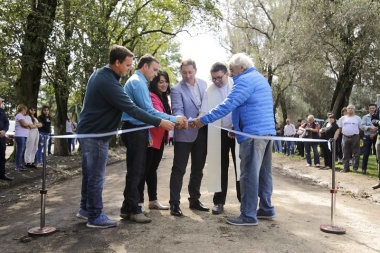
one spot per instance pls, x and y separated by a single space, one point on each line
300 144
277 143
327 132
45 130
33 138
22 127
339 148
289 131
69 131
4 126
369 138
312 132
159 90
349 126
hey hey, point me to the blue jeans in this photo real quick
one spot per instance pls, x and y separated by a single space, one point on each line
256 178
289 145
41 146
20 142
368 142
94 161
277 146
314 146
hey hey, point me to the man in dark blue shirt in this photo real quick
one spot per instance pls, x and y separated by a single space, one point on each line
4 125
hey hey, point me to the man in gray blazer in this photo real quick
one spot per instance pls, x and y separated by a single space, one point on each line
186 99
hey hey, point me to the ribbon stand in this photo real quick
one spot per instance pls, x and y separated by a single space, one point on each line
332 228
42 230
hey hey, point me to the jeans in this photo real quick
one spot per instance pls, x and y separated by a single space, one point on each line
289 146
277 146
137 144
41 146
94 161
351 145
3 148
314 146
256 178
327 154
368 142
20 142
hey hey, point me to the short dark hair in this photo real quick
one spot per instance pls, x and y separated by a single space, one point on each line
218 66
372 105
120 53
188 62
146 58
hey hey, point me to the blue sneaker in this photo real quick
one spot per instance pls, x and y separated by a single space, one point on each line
82 214
101 222
262 215
240 222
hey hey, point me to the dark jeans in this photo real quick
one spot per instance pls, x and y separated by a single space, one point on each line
368 142
136 143
314 146
182 150
20 148
339 148
351 145
3 147
227 144
70 142
327 154
153 159
301 148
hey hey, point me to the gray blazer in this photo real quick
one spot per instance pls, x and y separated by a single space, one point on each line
183 104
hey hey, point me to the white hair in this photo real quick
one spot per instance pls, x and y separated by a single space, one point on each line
310 117
241 59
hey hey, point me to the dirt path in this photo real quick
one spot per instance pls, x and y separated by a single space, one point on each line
301 206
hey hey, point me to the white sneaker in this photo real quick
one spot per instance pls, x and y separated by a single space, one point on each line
317 165
308 165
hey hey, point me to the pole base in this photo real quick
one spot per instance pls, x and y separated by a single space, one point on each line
333 229
41 231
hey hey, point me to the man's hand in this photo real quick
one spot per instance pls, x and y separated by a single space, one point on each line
167 125
2 133
181 122
198 123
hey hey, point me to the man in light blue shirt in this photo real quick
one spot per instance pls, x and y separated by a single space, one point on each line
136 142
369 135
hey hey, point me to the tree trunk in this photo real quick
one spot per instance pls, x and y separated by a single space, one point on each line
39 26
345 83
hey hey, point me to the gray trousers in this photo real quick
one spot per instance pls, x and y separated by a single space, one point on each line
351 145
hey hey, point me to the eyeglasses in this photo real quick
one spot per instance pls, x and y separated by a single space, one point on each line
217 79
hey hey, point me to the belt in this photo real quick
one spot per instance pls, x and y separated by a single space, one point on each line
349 136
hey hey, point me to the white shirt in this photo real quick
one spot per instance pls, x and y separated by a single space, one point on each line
289 130
223 93
196 94
350 124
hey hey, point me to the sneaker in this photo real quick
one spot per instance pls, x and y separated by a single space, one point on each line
345 171
317 165
308 165
39 165
20 168
124 214
140 218
240 222
82 214
262 215
340 161
102 222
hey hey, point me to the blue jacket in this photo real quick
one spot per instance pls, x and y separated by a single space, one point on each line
251 103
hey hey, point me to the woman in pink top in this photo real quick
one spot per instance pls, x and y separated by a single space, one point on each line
159 91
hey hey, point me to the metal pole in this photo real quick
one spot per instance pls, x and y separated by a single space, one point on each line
42 230
332 228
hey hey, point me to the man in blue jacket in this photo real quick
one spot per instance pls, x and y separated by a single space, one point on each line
251 104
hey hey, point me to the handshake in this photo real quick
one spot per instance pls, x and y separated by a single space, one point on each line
183 123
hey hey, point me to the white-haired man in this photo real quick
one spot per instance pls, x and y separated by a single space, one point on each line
251 104
350 125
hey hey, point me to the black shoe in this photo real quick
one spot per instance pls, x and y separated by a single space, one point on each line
175 210
218 209
376 186
199 206
345 171
6 177
364 172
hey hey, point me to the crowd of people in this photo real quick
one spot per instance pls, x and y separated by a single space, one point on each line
347 131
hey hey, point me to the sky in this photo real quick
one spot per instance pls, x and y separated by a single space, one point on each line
204 50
